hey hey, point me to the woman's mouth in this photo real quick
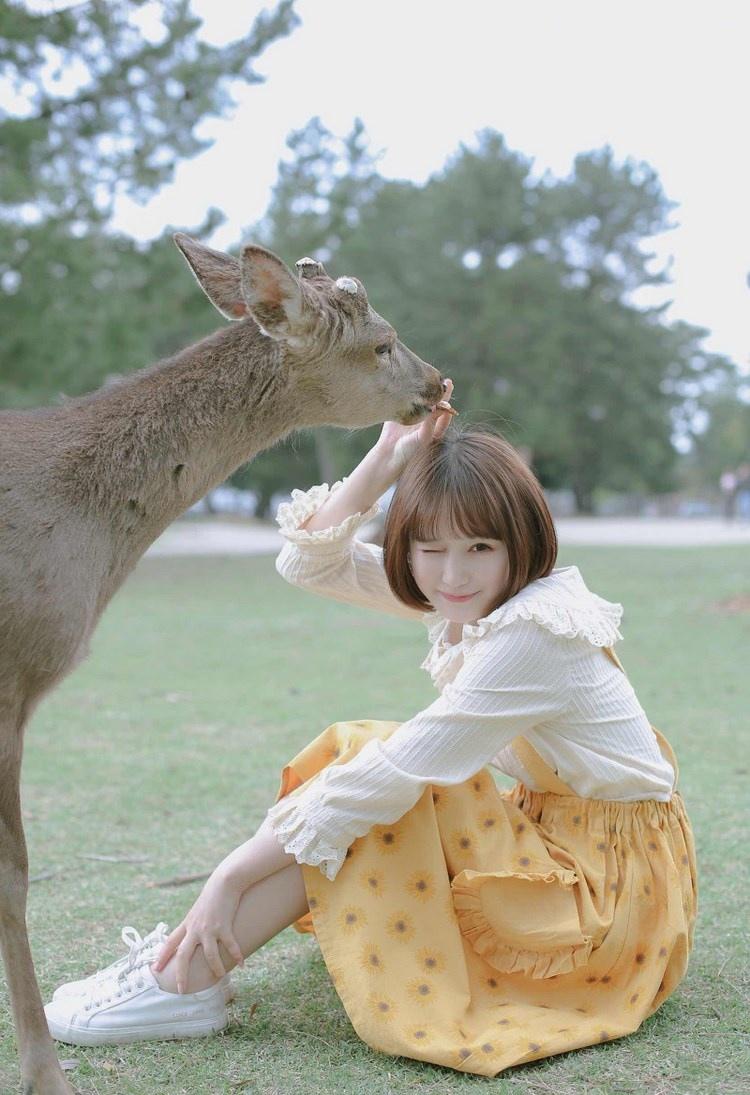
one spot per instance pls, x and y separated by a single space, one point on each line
456 598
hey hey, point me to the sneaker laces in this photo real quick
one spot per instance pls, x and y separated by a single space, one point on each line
116 988
117 979
138 944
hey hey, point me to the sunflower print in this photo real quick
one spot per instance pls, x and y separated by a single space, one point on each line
421 990
374 882
399 926
421 885
382 1007
431 960
462 842
371 958
387 838
351 919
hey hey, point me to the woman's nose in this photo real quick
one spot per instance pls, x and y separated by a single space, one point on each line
455 573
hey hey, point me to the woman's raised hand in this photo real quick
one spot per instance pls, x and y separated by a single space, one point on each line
398 444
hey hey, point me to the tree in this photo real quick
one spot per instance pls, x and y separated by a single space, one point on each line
520 289
100 109
321 191
93 308
724 442
526 299
597 219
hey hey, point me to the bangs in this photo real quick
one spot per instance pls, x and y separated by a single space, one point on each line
456 501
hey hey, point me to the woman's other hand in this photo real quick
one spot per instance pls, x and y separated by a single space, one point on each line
208 923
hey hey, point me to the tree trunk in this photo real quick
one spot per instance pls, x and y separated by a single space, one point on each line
584 495
324 453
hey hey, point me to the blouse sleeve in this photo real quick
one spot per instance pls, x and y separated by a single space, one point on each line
333 562
512 680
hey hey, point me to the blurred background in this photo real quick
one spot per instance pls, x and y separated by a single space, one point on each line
548 201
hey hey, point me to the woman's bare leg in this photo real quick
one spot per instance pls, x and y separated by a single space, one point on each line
265 909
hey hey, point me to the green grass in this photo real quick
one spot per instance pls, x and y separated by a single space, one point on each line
206 675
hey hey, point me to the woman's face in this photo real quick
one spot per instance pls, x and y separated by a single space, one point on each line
463 578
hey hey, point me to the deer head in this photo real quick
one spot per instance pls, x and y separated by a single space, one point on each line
342 353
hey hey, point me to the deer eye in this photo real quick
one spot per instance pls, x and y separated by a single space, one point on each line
385 348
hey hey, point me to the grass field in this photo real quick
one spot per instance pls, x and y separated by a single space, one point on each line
165 746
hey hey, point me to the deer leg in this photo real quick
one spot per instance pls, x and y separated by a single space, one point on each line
40 1070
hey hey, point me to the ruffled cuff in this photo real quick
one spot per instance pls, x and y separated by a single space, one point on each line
301 839
303 505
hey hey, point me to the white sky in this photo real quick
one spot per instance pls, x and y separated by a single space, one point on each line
664 82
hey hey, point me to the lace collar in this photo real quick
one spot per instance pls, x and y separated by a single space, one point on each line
561 602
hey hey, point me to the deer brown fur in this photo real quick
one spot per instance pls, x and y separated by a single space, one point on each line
86 486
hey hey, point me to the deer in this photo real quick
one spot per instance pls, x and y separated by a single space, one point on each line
88 484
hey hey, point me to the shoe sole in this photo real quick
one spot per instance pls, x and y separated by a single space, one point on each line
196 1029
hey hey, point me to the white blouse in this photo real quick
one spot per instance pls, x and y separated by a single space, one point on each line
534 666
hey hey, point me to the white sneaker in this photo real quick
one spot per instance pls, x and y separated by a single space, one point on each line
140 949
135 943
132 1008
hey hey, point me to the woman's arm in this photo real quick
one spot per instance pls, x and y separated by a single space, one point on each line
515 679
254 860
322 553
209 922
381 467
357 494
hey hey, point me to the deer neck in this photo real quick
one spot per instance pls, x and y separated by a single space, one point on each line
149 446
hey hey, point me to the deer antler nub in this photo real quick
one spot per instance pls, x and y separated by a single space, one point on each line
309 268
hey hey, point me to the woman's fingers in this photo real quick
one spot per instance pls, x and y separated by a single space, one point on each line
442 424
182 959
233 948
185 951
171 944
213 959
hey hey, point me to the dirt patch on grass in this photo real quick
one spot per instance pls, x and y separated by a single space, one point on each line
732 605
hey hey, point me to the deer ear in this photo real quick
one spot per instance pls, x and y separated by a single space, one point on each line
217 274
272 293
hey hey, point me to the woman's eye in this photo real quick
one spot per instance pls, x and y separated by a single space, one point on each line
483 547
384 349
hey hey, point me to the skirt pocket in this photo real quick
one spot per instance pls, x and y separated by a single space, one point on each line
523 921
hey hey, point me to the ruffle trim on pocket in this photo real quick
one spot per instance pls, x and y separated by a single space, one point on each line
508 957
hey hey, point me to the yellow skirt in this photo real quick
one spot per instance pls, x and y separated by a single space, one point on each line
485 929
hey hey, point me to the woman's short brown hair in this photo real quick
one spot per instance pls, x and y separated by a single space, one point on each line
478 484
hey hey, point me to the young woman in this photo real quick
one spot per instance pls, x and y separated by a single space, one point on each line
462 925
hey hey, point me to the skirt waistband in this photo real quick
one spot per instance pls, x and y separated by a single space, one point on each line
595 813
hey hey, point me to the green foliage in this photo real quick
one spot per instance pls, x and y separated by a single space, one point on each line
520 290
135 106
725 443
100 109
92 308
599 217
